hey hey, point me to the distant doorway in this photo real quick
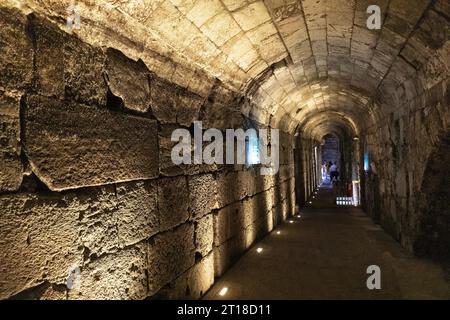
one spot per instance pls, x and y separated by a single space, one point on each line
331 154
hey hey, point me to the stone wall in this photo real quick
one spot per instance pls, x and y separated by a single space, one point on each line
415 122
86 178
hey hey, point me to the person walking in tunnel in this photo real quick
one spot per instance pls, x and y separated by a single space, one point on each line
334 173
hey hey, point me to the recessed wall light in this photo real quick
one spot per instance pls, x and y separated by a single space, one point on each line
259 250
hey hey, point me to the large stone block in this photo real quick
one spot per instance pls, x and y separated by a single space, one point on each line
226 188
169 255
227 253
173 201
167 167
227 222
253 208
98 222
16 51
66 66
173 104
202 194
138 217
216 115
194 283
118 276
10 164
71 146
129 80
38 240
204 235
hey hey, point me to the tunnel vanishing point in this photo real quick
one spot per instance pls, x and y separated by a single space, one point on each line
93 207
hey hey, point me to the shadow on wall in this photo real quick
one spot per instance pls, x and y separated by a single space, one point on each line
434 224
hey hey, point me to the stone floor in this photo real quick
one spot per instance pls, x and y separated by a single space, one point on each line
324 255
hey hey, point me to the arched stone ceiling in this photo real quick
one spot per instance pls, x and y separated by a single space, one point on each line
293 57
316 125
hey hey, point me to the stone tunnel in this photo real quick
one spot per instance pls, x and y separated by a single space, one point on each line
92 91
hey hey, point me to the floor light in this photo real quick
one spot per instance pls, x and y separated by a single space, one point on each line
223 291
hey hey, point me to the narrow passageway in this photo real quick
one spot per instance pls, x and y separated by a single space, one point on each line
324 254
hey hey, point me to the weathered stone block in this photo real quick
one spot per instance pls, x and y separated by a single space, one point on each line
16 50
173 104
70 146
10 164
254 208
118 276
138 217
227 253
67 67
164 100
189 106
216 115
193 283
245 184
38 240
227 222
167 167
204 235
202 194
98 222
169 255
173 201
226 188
129 80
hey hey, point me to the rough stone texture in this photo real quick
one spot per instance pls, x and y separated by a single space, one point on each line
225 221
10 164
38 242
16 65
173 104
173 202
396 192
170 254
128 80
202 194
192 284
227 253
67 67
73 145
118 276
138 216
204 235
98 230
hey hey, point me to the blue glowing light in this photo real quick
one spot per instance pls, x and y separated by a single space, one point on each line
253 156
366 160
